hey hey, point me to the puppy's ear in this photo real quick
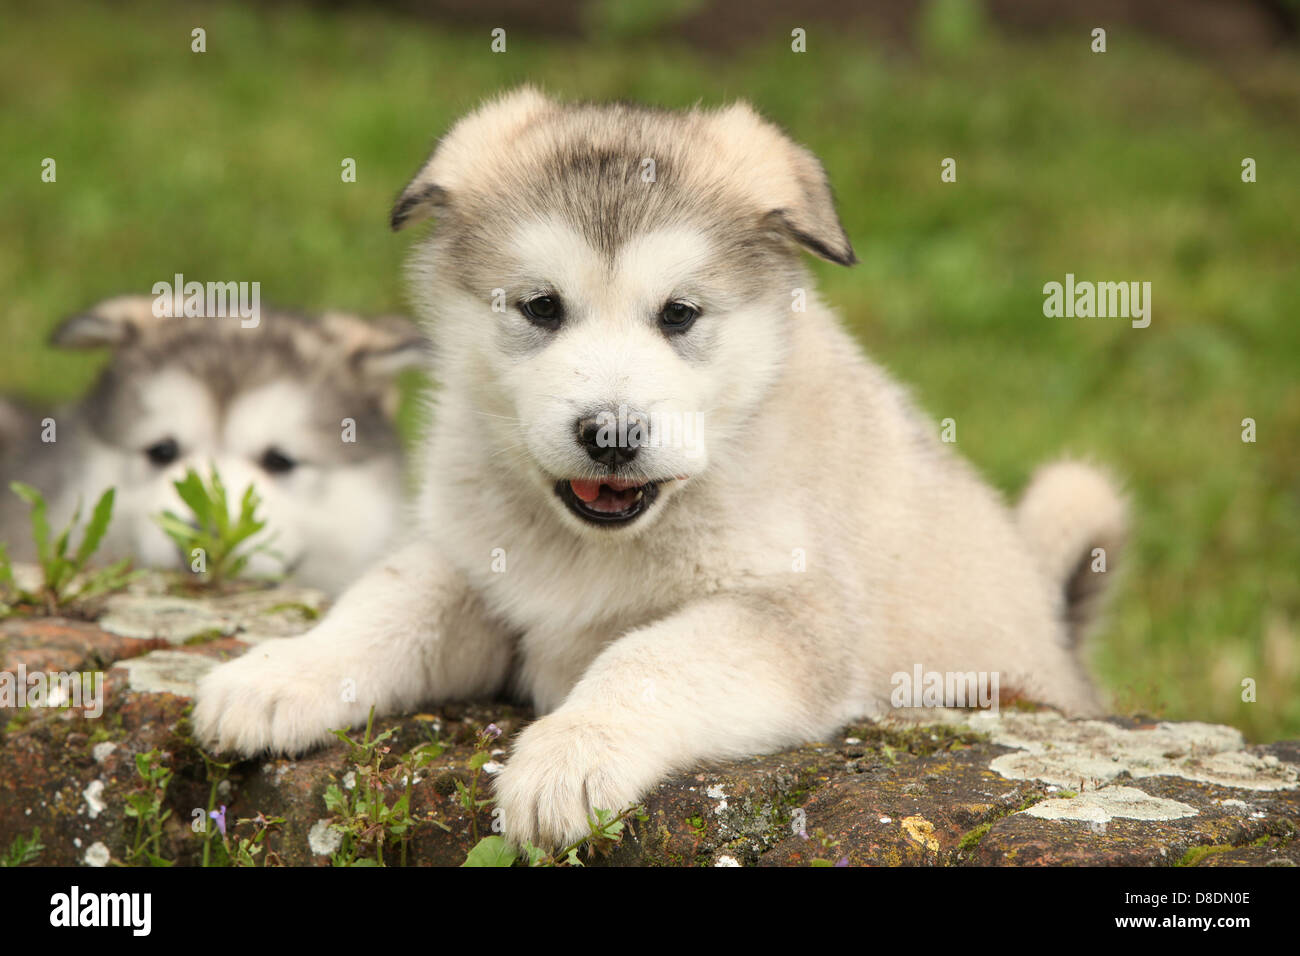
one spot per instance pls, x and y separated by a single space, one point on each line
813 222
417 202
397 345
787 181
113 323
379 348
482 133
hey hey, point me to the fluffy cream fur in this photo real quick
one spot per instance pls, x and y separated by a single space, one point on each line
819 538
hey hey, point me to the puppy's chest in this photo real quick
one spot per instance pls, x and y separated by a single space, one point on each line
543 580
544 589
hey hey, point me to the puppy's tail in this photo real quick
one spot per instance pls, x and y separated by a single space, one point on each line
1076 520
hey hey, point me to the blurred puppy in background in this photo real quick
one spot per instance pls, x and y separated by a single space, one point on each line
268 406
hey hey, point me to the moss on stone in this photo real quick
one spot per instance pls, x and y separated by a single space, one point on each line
1196 854
308 612
971 838
920 740
204 637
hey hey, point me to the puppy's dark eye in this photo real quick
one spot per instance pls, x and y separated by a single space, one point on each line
544 310
277 462
677 316
163 452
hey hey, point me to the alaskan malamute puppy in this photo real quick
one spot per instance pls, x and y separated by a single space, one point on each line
685 518
265 404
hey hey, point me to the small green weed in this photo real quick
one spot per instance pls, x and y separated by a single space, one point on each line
211 543
64 578
606 829
362 813
145 805
23 850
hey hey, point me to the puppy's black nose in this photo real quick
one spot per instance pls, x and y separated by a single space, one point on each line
612 440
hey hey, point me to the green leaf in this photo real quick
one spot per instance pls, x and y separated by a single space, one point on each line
217 534
428 753
491 851
61 567
535 854
248 525
343 736
6 570
111 578
138 805
220 512
40 526
23 850
195 495
178 529
335 800
95 530
479 758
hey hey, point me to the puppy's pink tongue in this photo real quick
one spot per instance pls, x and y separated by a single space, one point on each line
587 491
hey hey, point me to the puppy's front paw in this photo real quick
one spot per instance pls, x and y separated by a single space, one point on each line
564 767
277 697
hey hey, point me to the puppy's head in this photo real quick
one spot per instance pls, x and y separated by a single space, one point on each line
297 408
612 287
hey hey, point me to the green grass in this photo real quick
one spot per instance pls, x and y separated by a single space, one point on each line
1117 166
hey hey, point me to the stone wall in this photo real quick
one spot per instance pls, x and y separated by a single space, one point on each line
1020 789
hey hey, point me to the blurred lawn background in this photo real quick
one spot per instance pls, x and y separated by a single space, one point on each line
1122 166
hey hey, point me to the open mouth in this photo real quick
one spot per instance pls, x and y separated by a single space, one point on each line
607 501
